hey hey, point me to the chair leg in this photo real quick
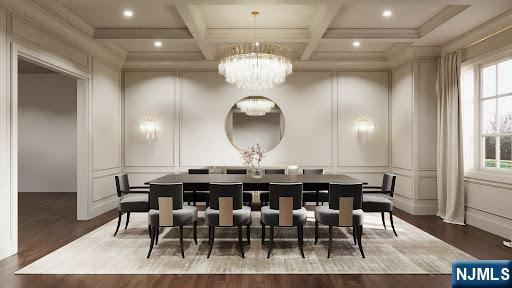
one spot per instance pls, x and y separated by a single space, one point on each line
152 234
127 220
316 197
149 230
157 233
316 232
240 241
300 230
118 222
262 233
248 233
194 198
383 220
392 225
354 234
359 234
195 232
212 237
329 248
181 243
270 244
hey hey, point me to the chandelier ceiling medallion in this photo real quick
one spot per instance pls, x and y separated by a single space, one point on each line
255 65
255 105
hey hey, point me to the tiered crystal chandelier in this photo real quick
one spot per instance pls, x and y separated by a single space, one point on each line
255 66
255 105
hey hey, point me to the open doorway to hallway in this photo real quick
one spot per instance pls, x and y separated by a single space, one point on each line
47 150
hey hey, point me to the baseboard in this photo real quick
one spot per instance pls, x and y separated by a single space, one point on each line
102 206
425 207
403 203
489 222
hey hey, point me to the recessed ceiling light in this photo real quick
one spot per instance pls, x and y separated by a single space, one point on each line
356 43
128 13
387 13
157 44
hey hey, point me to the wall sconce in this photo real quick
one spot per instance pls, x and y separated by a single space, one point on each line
364 127
148 127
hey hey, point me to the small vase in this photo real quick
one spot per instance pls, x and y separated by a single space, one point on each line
257 173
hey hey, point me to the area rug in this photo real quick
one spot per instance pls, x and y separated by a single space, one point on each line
98 252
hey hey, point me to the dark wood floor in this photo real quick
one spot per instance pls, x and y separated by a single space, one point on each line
46 224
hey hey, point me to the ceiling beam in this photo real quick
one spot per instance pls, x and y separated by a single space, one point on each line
142 33
195 24
319 25
371 33
440 18
216 35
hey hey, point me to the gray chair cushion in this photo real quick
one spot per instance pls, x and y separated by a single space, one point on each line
181 217
330 217
373 203
240 216
271 216
134 202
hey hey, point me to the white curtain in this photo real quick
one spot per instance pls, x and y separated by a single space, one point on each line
450 168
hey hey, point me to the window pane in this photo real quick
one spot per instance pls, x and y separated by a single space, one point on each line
505 114
489 116
505 77
506 152
490 151
489 81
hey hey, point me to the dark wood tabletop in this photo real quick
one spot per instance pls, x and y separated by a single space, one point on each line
248 179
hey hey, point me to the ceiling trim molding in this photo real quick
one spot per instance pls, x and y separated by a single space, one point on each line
494 26
142 33
61 12
197 27
164 56
221 35
205 65
343 55
319 25
372 33
440 18
410 53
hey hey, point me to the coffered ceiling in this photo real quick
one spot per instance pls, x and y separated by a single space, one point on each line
312 29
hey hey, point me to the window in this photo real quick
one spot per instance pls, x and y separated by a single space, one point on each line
496 115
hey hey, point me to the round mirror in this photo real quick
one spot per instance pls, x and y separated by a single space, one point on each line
255 120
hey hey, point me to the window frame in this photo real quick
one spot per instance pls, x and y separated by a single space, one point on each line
479 99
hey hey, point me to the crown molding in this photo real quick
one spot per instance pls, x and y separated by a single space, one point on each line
395 34
165 56
414 52
352 56
142 33
45 20
58 10
488 29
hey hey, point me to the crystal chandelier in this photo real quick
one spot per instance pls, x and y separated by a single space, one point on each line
255 66
255 105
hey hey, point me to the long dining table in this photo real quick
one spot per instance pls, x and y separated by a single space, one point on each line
201 182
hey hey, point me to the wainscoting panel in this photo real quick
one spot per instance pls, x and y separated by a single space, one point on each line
427 114
106 122
149 94
363 93
402 116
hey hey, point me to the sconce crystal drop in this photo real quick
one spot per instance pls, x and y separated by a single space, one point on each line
148 127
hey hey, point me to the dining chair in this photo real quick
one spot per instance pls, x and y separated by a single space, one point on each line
247 195
131 199
264 194
285 210
374 203
316 196
194 195
167 210
344 210
227 210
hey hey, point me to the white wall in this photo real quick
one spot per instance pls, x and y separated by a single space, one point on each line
47 133
320 110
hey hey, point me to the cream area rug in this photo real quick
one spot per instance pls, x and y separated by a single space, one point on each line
413 252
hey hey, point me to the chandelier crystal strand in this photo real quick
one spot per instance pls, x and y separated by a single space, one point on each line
255 105
255 66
